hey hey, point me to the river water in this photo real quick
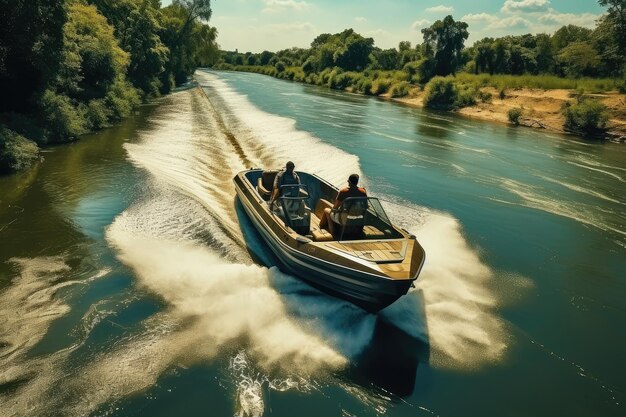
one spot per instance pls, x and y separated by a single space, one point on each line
132 283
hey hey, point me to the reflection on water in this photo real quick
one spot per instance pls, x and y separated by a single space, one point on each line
132 283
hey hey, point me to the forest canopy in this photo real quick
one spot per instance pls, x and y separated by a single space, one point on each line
71 66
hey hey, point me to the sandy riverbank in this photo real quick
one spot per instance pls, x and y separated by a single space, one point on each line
541 108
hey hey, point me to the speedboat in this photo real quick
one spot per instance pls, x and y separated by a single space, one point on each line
360 257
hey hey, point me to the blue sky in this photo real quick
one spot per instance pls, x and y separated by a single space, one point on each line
256 25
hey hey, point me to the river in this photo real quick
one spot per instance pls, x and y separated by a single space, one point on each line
132 283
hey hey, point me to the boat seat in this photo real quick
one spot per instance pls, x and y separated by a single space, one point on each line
372 232
320 206
321 235
265 183
348 221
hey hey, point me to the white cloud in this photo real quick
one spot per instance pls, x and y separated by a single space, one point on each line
479 17
360 19
514 22
525 6
291 27
420 24
272 6
440 9
584 19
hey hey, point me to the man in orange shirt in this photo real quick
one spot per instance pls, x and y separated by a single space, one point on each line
353 190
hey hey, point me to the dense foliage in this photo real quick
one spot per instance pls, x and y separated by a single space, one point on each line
587 116
71 66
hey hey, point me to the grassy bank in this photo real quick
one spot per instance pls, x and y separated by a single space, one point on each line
583 106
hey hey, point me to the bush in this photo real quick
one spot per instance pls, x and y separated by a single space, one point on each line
339 81
63 121
280 66
485 96
400 89
466 96
381 86
121 99
441 93
588 117
16 152
98 114
514 115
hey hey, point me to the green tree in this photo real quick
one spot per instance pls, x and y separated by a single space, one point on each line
136 24
447 38
569 34
501 56
579 59
265 57
484 55
544 53
617 17
387 59
31 42
178 23
353 55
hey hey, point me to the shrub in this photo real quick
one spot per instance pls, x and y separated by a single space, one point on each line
339 81
16 152
64 122
425 69
485 96
440 93
98 114
121 99
466 96
381 86
364 85
400 89
280 66
514 115
588 117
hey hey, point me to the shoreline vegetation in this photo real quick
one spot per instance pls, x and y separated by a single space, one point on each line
71 67
570 81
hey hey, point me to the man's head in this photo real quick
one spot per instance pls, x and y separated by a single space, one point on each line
290 166
353 179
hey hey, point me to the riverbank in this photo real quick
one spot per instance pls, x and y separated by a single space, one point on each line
540 108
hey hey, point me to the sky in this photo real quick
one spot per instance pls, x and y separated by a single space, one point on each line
257 25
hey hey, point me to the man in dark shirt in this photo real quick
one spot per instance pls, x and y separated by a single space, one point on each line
353 190
286 176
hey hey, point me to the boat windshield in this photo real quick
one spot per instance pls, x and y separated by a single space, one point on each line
364 217
296 212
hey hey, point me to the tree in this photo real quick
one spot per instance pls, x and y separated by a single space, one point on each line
447 38
31 42
544 53
387 59
501 56
578 59
569 34
354 54
484 55
265 57
617 17
605 42
136 27
179 23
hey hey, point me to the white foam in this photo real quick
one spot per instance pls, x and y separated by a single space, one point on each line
272 140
